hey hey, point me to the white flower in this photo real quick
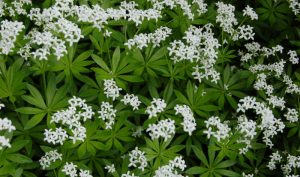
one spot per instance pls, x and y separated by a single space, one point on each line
107 33
164 128
226 17
9 31
138 131
202 6
293 57
295 6
4 142
108 114
58 136
84 173
128 174
292 115
189 123
222 129
70 169
247 175
276 101
111 89
143 40
138 159
248 11
275 158
6 124
248 130
110 168
157 106
201 47
169 170
70 30
79 134
49 158
269 124
246 32
132 100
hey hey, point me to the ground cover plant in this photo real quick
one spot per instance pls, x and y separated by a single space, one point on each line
149 88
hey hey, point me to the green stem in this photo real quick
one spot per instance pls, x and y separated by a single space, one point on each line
44 82
55 173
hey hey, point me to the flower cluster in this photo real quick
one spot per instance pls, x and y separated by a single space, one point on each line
5 125
248 11
170 169
142 40
164 128
132 100
70 31
128 174
295 6
157 106
49 158
71 170
216 128
226 17
293 57
292 115
138 159
72 118
9 31
275 158
107 114
189 122
248 130
111 89
201 48
292 163
269 124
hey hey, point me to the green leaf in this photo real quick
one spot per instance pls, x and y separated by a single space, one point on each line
29 110
36 119
115 59
18 158
196 170
100 62
199 153
36 98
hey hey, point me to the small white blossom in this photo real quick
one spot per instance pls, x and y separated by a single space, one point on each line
292 115
70 169
108 114
138 159
143 40
9 31
275 158
189 122
111 89
202 6
128 174
246 32
157 106
57 136
164 128
248 11
49 158
110 168
293 57
226 17
170 170
222 129
132 100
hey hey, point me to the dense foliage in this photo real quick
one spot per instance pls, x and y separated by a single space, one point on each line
149 88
